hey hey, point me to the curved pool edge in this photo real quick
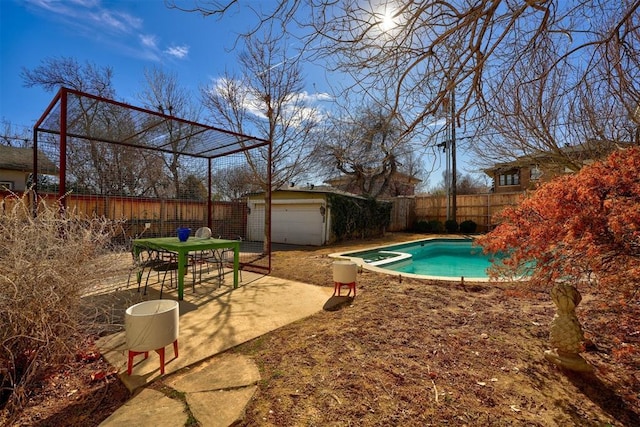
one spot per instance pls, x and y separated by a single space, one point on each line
369 267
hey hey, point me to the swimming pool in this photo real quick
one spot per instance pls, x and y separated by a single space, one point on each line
442 259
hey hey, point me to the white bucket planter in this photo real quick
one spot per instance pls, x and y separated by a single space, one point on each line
151 325
344 274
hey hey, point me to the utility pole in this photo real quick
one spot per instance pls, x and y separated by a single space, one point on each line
454 184
447 172
449 148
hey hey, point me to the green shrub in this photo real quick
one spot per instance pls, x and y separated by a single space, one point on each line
468 227
436 226
451 226
421 227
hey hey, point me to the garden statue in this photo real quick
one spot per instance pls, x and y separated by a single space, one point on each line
566 335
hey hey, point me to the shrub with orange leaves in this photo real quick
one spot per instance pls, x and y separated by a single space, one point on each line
582 228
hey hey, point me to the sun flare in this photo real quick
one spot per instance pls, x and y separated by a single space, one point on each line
388 22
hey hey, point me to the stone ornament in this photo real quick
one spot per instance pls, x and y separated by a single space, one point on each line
566 335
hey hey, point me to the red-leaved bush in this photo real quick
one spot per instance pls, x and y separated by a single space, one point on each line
582 228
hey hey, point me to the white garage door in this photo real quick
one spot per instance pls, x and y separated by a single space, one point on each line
297 224
294 224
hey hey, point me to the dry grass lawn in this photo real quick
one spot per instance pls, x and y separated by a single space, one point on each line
418 353
415 353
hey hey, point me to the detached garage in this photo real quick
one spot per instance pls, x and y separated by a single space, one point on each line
298 217
316 216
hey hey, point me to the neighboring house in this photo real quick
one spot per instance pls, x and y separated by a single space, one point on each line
299 216
526 172
517 176
16 166
400 185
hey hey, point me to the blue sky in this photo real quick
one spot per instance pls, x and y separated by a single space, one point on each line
127 35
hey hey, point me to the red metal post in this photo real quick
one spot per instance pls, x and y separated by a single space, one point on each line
62 188
209 201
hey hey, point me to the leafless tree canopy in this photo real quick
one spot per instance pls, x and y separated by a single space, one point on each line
233 183
367 147
53 73
98 168
14 136
162 92
550 103
542 73
266 99
465 184
101 168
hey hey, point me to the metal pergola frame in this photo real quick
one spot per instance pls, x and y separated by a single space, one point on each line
66 112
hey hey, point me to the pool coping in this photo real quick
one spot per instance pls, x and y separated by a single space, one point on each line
375 268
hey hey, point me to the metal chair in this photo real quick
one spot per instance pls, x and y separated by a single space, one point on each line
168 264
211 257
150 259
224 258
206 257
203 233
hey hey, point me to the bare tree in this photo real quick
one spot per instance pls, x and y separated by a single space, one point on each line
87 161
54 73
465 183
12 136
163 93
424 50
193 187
233 183
106 168
367 148
266 100
537 108
94 166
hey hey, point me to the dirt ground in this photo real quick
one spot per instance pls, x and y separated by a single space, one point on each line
407 353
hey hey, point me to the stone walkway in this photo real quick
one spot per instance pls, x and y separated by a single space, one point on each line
214 392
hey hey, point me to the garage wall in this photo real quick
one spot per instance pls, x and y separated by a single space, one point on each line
293 221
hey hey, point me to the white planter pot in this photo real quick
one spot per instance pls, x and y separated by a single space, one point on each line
151 325
344 271
344 274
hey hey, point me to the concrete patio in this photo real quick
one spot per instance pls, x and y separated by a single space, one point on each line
213 319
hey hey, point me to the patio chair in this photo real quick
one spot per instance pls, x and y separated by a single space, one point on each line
168 263
207 258
150 259
202 258
203 232
226 256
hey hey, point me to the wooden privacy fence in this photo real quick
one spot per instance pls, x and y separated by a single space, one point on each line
153 217
480 208
161 217
402 214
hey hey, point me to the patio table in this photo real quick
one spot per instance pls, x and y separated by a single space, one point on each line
193 244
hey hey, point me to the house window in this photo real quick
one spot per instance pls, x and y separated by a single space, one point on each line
510 178
536 173
6 185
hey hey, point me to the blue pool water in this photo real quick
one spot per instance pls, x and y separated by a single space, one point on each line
448 258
